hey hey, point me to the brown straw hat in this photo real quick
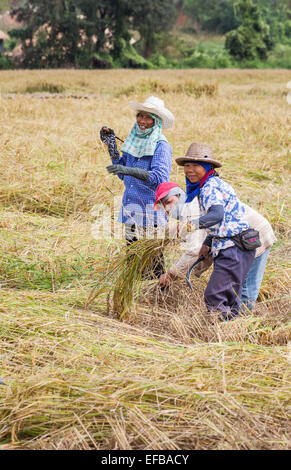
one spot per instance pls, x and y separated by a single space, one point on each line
198 152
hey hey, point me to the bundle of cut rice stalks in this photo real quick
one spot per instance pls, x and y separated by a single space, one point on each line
126 272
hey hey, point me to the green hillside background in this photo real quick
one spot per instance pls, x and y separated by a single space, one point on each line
193 35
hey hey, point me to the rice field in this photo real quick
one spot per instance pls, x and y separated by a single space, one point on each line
78 371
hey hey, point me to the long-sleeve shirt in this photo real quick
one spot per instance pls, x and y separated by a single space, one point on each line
192 241
213 217
217 192
139 196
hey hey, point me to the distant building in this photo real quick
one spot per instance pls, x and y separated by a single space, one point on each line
7 22
3 37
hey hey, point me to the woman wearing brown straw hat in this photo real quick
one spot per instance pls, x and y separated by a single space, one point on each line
223 216
171 198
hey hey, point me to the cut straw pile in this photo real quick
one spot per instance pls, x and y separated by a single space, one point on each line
76 380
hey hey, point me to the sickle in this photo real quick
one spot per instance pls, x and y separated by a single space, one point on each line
190 270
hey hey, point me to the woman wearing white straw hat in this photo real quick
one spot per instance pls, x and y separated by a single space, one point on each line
145 163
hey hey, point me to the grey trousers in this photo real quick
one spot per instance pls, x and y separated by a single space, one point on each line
224 290
253 281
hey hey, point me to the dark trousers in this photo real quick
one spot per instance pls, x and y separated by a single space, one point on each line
224 290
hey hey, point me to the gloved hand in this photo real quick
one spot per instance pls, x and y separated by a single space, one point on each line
130 171
107 136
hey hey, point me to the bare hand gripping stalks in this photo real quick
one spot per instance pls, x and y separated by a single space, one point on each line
190 270
109 131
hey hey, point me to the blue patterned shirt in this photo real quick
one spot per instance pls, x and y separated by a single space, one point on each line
139 196
217 192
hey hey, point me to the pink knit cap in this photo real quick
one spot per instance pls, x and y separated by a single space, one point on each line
162 190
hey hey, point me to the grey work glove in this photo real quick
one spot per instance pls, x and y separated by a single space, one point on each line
108 138
125 170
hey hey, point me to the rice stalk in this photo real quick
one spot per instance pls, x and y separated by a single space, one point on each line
126 273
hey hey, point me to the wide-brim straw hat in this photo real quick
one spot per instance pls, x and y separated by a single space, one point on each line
156 106
198 152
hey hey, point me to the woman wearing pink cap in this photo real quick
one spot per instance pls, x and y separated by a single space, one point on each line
168 192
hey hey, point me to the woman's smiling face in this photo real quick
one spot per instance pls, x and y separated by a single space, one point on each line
194 172
169 203
144 121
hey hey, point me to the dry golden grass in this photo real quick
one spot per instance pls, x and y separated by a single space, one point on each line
75 380
75 377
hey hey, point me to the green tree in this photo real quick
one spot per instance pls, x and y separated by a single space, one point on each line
212 15
51 32
150 19
89 32
277 14
251 40
105 27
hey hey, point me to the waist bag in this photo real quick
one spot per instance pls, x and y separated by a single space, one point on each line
248 240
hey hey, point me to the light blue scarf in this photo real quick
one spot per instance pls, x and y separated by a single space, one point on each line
143 143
